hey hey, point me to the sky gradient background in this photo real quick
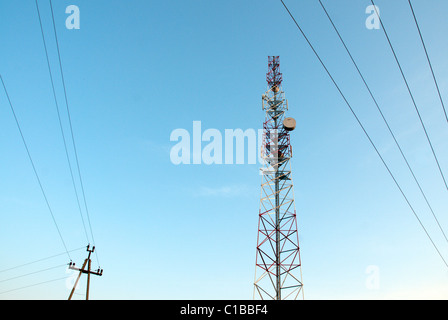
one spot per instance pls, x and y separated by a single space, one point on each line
136 71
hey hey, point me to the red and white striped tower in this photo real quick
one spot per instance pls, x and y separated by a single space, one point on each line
278 273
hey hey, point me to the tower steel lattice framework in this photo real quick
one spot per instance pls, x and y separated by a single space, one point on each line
278 274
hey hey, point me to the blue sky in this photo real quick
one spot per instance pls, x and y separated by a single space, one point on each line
136 72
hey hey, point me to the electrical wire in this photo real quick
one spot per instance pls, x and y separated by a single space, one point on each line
71 127
36 284
34 272
365 132
60 121
39 260
384 119
411 95
429 61
34 167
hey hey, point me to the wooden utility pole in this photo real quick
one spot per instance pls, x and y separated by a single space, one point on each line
88 271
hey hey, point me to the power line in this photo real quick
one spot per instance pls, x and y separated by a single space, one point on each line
364 130
411 95
36 284
60 121
39 260
71 127
384 119
34 272
34 167
429 61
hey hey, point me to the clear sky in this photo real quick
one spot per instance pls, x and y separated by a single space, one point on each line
137 70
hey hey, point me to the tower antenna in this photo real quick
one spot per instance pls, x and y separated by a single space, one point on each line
278 274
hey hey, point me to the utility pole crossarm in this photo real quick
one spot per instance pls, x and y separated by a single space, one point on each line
98 272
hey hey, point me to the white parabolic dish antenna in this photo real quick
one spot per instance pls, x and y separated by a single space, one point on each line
289 124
